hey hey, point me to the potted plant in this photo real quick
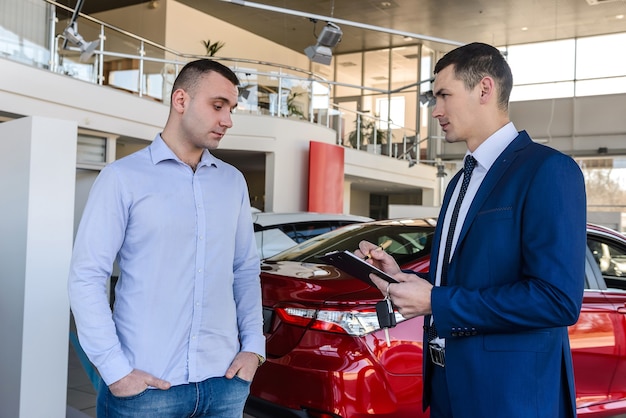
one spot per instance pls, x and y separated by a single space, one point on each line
366 133
293 109
212 48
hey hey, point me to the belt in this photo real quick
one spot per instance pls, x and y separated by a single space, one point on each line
437 354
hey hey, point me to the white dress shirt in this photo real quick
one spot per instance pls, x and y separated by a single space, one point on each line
485 155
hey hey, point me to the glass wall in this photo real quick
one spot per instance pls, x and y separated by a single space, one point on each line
25 40
586 66
382 116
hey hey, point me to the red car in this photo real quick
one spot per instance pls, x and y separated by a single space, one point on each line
328 358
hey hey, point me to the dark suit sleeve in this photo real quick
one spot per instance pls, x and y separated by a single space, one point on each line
521 265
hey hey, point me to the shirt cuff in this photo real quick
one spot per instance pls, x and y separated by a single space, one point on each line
114 368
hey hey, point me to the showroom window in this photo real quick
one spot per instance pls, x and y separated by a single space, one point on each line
568 68
392 110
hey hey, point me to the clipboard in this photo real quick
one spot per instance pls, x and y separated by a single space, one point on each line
355 266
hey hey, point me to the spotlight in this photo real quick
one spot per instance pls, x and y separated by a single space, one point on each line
328 38
86 48
427 98
71 34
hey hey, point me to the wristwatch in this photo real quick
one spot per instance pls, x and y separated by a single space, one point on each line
261 359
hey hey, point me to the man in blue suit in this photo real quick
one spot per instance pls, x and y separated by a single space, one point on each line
507 264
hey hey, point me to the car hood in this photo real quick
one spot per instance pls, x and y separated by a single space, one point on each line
311 284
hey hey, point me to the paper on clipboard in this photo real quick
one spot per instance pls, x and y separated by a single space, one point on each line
355 266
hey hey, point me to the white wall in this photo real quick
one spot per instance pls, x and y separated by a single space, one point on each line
186 28
371 166
413 211
359 202
25 90
37 171
577 126
286 141
613 220
139 19
28 91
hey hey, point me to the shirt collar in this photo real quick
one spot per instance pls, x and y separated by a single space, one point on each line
487 153
159 151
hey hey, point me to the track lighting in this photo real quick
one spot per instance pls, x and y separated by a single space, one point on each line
328 38
427 98
86 48
71 34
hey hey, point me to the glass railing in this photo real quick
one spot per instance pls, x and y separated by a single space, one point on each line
110 56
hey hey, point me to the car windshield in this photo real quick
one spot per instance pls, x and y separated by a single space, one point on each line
411 239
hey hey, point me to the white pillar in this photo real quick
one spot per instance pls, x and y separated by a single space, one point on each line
430 197
37 177
347 189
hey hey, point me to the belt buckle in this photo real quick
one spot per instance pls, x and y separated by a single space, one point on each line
437 354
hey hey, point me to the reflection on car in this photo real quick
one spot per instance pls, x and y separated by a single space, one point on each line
327 357
275 232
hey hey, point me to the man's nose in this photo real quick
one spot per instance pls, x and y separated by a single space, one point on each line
437 112
227 121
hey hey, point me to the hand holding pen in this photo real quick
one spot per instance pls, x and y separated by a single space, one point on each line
382 246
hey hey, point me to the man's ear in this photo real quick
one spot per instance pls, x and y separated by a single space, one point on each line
179 100
487 89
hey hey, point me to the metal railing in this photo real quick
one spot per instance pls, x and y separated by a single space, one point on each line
128 62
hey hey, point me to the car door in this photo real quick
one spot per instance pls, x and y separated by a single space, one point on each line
594 341
609 253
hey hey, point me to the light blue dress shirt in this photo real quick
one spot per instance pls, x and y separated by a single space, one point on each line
188 298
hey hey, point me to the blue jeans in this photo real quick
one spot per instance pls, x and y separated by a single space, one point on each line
215 397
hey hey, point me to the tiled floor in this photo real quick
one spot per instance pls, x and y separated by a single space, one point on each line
81 395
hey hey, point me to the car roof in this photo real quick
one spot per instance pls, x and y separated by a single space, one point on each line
278 218
605 231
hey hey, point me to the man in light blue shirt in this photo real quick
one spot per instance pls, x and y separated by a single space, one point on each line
185 336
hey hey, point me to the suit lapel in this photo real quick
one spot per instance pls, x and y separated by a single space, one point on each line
495 173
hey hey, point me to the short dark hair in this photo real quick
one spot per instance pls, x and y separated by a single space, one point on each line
474 61
188 77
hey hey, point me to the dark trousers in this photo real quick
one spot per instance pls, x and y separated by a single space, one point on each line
439 398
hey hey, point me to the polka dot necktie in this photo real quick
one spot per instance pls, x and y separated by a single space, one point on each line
470 164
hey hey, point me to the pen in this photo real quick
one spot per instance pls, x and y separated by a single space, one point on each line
381 246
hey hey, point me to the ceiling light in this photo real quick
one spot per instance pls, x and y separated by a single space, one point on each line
86 48
328 38
427 98
71 34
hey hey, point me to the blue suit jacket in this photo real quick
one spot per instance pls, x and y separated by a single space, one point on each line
515 283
